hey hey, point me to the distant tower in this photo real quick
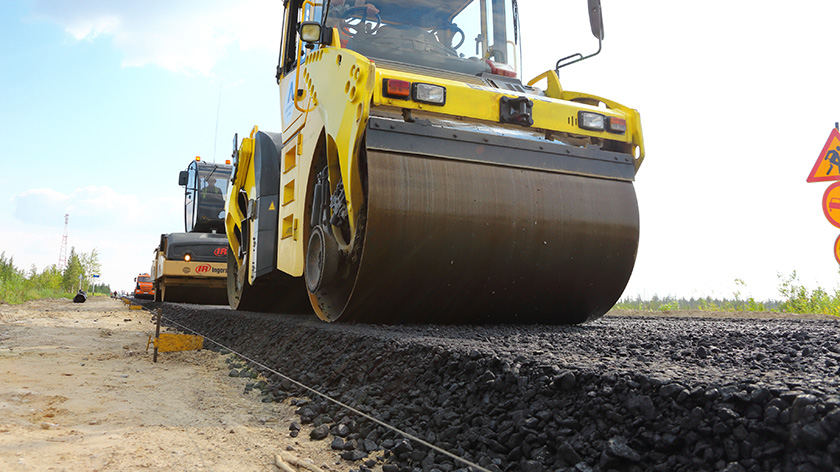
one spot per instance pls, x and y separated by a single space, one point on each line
62 256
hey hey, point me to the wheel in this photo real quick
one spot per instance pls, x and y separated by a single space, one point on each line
352 29
238 288
455 31
157 296
321 260
271 293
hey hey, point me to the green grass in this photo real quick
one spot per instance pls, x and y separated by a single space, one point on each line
17 286
19 290
799 299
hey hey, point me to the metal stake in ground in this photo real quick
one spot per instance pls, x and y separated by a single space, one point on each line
157 335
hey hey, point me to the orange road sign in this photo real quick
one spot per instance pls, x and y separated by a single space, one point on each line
837 249
831 204
827 167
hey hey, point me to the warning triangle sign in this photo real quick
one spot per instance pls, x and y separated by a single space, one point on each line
827 167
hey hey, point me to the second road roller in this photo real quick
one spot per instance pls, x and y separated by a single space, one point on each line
418 179
191 267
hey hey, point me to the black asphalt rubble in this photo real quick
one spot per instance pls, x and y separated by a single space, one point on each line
621 393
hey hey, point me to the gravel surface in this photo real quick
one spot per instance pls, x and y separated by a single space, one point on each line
621 393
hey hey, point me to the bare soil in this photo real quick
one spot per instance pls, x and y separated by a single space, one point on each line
80 392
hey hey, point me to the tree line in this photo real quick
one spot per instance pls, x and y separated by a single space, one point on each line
18 285
794 298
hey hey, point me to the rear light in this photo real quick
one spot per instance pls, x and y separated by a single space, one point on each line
499 68
396 88
591 121
616 125
428 93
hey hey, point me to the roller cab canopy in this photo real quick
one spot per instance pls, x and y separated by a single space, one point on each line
467 36
431 12
205 190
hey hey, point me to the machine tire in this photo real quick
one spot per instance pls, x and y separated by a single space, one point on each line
237 287
244 296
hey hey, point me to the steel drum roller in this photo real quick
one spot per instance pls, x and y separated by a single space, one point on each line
450 241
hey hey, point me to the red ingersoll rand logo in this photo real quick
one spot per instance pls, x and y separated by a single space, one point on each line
220 251
202 269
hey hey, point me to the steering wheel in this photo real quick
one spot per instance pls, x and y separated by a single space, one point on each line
453 27
352 29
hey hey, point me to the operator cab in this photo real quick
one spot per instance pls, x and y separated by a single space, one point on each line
205 191
474 37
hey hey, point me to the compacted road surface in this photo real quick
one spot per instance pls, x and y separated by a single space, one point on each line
666 393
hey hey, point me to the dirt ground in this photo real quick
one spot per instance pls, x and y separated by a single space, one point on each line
79 392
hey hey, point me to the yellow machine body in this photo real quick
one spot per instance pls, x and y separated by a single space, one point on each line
177 280
195 282
501 203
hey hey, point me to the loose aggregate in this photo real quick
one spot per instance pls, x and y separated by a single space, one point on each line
620 393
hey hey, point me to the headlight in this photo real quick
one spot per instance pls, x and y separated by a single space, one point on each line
187 257
310 31
428 93
591 121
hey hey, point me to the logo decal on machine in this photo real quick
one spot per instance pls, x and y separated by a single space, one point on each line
220 251
289 104
202 269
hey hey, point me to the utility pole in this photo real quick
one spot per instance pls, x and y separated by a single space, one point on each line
62 255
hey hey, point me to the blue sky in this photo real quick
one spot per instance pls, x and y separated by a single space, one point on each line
103 102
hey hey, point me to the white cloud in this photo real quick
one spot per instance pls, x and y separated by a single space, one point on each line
123 228
187 36
90 30
40 206
92 207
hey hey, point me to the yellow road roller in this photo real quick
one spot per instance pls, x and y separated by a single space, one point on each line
418 179
191 267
